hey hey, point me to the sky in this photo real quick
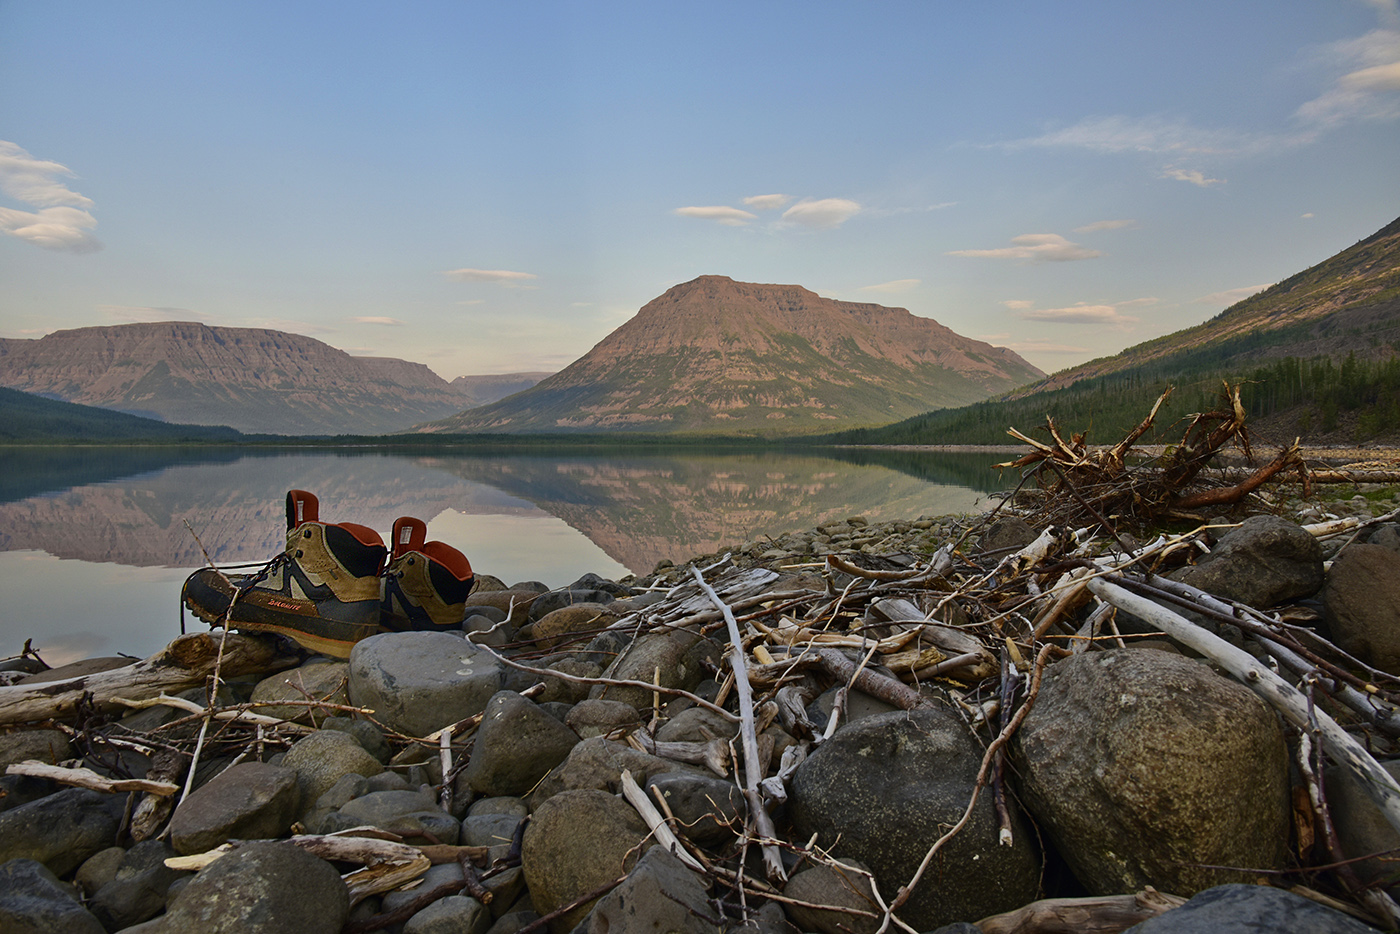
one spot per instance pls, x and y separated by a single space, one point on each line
494 187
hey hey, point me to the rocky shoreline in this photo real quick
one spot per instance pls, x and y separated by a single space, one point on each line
585 759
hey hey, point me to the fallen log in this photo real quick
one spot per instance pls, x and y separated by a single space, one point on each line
1105 914
183 664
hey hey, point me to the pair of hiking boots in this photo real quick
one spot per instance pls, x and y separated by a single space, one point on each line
337 583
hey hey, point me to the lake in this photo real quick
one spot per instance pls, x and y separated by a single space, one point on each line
95 542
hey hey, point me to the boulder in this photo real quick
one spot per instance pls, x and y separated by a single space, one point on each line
455 914
660 894
516 745
882 789
318 679
137 891
597 763
683 658
589 718
410 814
61 830
47 746
1363 604
575 842
1263 562
1361 827
249 801
264 887
33 901
838 887
489 829
711 809
419 682
325 757
1143 767
1250 909
696 725
570 621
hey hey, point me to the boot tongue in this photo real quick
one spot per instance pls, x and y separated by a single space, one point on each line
409 534
301 507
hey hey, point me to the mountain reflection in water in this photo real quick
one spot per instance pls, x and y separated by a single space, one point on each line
518 517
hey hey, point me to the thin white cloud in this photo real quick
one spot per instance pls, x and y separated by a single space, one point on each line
1035 248
499 276
730 217
150 313
305 328
472 301
377 319
1194 176
63 219
1031 344
1016 304
1096 226
1228 297
767 202
1084 313
1160 135
894 286
1368 86
824 214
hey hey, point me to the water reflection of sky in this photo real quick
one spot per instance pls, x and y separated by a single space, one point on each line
91 563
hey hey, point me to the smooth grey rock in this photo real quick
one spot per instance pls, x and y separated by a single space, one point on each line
839 888
344 791
33 901
681 656
410 814
556 600
577 622
1361 827
709 808
513 921
1250 909
882 788
859 705
137 892
696 725
325 757
418 682
61 830
1363 604
1264 562
589 718
455 914
1005 536
516 745
99 869
489 829
561 690
22 789
1142 766
660 895
502 804
1387 536
597 763
576 841
366 734
250 801
317 679
247 891
47 746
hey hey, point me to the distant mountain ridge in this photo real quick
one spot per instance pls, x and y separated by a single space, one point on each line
1316 356
1348 302
252 379
715 355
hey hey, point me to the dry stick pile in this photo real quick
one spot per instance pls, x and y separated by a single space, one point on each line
962 627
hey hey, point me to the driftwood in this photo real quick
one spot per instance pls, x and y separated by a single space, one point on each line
183 664
87 778
1105 914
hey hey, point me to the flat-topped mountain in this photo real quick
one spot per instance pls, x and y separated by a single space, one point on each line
252 379
715 355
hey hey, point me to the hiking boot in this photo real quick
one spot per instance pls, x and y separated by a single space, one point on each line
323 591
426 583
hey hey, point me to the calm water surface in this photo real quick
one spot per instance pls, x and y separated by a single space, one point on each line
95 543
